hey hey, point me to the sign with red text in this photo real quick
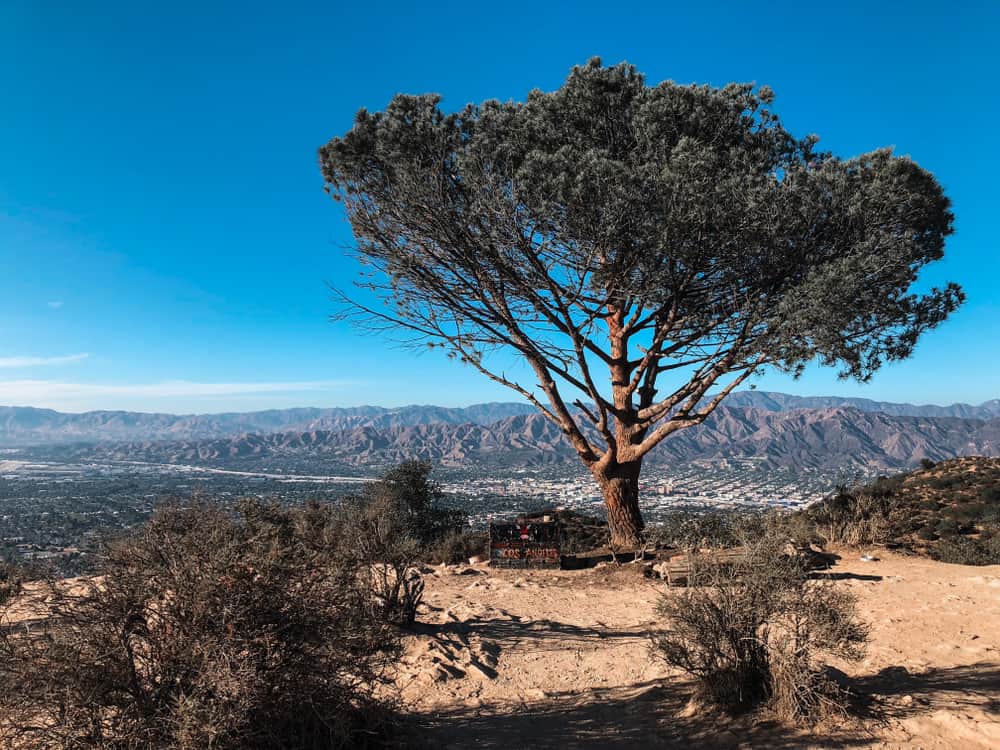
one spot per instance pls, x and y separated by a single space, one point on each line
527 544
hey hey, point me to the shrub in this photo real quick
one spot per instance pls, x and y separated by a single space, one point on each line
927 464
577 532
926 534
969 551
205 630
990 494
394 524
852 517
458 546
751 631
378 527
413 498
693 530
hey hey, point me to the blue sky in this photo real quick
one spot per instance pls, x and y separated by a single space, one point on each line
164 237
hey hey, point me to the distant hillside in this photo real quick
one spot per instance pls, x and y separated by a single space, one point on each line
26 426
838 438
785 402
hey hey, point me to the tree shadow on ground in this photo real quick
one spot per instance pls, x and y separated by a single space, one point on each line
644 715
846 577
896 693
531 635
654 714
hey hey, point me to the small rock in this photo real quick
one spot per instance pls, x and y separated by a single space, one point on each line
477 559
906 700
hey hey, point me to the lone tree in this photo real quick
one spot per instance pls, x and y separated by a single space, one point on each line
639 247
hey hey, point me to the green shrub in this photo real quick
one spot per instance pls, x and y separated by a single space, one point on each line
947 527
396 523
990 494
409 493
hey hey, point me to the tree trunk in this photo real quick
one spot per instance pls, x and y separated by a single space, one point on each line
619 484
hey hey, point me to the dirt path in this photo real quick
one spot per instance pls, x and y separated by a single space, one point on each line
510 659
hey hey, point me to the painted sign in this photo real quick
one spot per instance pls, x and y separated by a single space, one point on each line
524 544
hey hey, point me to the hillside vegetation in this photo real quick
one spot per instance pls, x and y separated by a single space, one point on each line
949 511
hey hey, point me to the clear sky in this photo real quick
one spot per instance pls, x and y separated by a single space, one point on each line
165 240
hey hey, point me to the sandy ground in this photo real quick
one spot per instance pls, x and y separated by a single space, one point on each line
561 659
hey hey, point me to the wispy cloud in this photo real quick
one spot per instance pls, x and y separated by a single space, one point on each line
55 304
10 362
56 394
24 391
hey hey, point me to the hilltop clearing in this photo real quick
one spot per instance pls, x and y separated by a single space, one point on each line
560 659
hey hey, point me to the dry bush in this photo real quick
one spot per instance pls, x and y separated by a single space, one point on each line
377 527
204 630
458 546
852 517
396 523
751 631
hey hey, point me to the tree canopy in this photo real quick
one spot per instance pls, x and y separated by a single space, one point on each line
676 238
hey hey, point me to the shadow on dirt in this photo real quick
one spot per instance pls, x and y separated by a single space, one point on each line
894 692
658 715
530 635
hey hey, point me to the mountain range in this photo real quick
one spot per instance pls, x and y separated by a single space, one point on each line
772 428
26 426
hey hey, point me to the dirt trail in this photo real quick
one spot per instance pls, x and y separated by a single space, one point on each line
560 659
